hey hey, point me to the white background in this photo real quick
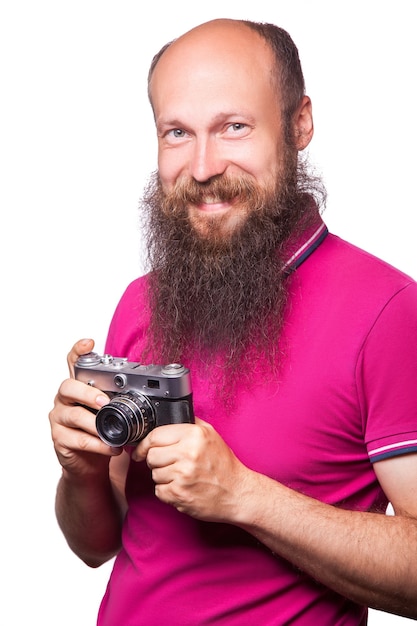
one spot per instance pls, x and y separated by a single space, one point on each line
76 146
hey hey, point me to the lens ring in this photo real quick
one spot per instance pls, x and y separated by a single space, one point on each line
125 420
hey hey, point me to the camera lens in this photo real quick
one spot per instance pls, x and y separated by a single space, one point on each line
125 420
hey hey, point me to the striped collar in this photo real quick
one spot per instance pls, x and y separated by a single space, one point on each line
311 239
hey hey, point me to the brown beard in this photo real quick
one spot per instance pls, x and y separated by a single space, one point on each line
222 297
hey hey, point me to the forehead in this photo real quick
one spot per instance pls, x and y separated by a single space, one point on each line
221 57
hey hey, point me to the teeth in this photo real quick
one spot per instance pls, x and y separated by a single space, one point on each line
211 200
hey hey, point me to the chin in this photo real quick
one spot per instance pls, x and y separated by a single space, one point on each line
217 227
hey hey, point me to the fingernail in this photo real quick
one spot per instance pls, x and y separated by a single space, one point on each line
102 400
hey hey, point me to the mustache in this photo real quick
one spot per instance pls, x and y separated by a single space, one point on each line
221 188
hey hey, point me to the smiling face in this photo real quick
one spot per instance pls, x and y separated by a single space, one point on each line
218 120
229 195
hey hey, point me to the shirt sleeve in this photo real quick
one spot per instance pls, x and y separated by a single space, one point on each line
387 378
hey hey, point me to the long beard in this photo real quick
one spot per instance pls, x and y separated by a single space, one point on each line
222 296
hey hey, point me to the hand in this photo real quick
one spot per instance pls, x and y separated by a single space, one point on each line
77 445
194 470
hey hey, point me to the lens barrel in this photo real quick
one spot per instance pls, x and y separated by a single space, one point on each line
125 420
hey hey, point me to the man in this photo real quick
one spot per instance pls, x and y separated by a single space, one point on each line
303 354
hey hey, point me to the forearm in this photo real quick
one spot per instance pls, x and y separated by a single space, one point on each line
89 517
367 557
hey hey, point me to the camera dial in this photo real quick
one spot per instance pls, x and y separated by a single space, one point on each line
89 360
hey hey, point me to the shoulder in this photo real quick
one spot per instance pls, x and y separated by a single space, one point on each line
347 271
342 291
130 320
136 290
352 260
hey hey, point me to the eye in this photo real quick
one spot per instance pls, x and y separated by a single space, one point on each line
177 133
238 129
237 126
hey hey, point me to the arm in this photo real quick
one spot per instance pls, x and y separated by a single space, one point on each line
367 557
90 502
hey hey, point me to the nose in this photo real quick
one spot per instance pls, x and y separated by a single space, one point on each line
206 159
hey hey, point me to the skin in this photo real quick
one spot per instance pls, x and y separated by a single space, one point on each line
211 119
228 123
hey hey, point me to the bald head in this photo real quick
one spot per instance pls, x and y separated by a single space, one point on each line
217 37
227 39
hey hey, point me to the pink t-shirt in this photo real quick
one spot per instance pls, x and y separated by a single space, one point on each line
347 397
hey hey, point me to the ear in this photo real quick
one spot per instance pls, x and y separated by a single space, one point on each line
303 124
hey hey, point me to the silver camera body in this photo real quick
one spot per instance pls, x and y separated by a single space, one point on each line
142 396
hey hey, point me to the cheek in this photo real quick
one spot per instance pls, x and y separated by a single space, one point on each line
262 163
173 161
166 177
169 169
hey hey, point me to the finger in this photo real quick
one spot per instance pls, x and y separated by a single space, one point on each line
162 475
141 451
160 437
70 442
74 428
77 418
162 456
70 405
74 392
83 346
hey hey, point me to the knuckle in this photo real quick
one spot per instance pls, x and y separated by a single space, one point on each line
84 441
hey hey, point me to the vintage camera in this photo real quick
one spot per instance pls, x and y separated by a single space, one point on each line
142 396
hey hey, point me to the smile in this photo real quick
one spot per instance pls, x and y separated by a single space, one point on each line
213 205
